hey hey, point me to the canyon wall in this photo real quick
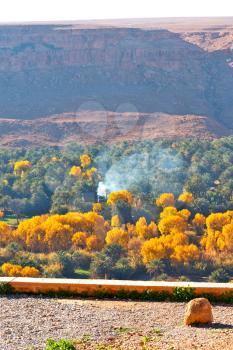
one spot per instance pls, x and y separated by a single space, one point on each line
56 69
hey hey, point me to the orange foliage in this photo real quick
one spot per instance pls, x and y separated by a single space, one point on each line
94 243
117 236
75 171
79 239
165 200
185 213
85 160
115 221
21 166
88 174
6 234
186 197
168 211
57 232
97 207
145 231
199 221
12 270
174 246
134 249
219 235
123 196
171 224
186 253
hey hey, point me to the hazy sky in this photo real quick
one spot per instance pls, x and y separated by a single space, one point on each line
52 10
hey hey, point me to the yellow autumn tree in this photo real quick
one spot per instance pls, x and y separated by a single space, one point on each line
79 239
186 197
75 171
6 234
89 173
198 223
145 231
153 249
85 160
199 220
185 213
165 200
21 166
123 196
97 224
117 236
218 241
30 233
94 243
30 271
209 241
174 246
226 243
12 270
57 236
172 223
185 253
134 250
168 211
97 207
216 221
115 221
213 240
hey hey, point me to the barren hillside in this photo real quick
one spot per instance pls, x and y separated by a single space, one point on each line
116 80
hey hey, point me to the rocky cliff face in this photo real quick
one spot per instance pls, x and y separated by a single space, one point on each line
162 68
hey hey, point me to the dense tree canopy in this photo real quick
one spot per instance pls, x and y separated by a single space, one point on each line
167 208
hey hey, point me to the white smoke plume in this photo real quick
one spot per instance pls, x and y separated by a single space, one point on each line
141 171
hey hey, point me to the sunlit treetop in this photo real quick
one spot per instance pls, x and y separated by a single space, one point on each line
165 200
186 197
199 220
19 271
89 173
115 221
117 236
75 171
85 160
120 196
97 207
168 211
21 166
54 159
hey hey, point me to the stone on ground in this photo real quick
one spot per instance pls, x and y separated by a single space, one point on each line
198 310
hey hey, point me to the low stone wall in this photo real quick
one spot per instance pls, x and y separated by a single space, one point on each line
78 286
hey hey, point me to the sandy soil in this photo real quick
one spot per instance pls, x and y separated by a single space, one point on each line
26 323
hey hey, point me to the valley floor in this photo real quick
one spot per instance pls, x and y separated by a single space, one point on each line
27 322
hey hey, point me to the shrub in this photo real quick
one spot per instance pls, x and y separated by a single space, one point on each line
60 345
12 270
53 270
183 279
5 288
219 275
183 294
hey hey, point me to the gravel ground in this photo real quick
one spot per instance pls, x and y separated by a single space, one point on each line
27 322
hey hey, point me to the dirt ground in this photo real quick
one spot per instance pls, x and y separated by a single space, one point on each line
27 322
